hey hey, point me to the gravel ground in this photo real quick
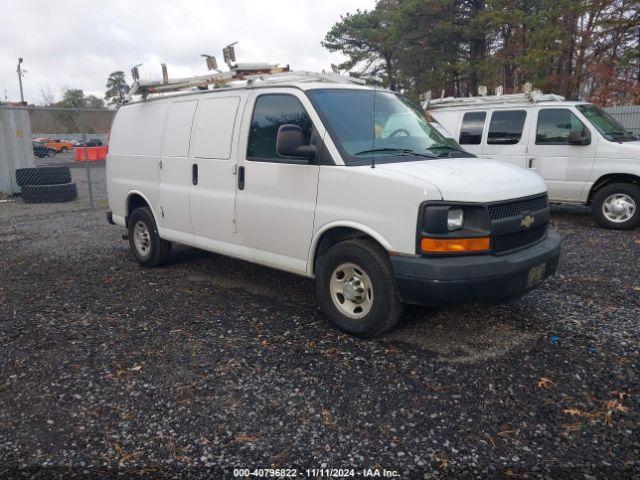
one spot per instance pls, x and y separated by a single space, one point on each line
210 364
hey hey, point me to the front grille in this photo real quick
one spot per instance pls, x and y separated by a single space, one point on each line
517 207
512 241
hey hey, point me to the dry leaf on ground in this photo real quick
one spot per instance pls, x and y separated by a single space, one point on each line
544 382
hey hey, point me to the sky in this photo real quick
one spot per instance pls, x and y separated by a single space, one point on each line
77 43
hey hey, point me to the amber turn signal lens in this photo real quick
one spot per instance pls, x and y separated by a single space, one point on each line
439 245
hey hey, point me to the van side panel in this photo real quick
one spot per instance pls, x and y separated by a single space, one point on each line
450 120
134 153
376 201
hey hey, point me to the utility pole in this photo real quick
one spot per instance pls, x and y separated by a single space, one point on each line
20 79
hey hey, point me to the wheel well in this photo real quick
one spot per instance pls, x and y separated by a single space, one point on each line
336 235
612 178
134 201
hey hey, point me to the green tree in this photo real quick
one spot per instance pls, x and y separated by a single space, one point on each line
117 88
366 39
94 102
453 46
73 98
440 43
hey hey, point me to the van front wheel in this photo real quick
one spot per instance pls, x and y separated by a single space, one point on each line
356 290
617 206
146 245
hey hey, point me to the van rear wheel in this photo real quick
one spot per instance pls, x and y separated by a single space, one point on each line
356 289
617 206
146 245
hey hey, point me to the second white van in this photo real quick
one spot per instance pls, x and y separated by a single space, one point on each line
584 155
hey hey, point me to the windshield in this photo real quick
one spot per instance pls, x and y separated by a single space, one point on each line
608 126
382 125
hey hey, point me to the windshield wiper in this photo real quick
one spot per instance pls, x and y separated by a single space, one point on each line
384 149
402 151
447 147
621 136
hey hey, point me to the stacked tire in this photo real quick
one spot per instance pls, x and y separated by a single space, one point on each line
46 185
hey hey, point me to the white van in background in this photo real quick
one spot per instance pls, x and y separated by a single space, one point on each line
584 155
303 176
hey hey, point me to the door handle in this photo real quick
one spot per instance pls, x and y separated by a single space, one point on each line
194 173
240 178
531 159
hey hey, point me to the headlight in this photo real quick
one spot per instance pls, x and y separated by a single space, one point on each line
453 228
455 219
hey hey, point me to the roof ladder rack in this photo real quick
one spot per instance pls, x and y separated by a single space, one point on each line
249 73
527 96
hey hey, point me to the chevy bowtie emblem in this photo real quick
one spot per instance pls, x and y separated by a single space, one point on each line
527 221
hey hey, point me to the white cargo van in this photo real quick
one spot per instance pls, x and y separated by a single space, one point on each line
333 181
585 156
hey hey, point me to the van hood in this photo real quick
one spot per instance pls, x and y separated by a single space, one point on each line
472 179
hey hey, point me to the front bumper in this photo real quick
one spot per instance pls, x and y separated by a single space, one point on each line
475 278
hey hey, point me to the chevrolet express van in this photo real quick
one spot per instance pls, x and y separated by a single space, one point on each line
342 183
584 155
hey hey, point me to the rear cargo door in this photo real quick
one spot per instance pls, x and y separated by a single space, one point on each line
175 173
213 183
173 194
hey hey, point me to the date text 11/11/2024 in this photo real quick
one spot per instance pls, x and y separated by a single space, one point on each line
315 473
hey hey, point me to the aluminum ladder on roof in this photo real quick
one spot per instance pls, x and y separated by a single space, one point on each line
240 74
533 97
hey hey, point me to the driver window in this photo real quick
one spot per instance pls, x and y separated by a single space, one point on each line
269 113
555 125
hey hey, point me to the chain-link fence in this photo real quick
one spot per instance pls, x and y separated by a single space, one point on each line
64 167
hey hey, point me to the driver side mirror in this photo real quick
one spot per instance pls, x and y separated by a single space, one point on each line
579 137
290 143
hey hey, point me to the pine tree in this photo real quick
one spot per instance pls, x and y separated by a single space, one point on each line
117 88
453 46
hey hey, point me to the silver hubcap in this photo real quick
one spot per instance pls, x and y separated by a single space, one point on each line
141 238
619 207
351 290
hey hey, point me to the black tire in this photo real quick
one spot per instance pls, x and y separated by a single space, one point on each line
64 150
386 308
158 250
67 192
51 153
603 194
43 176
